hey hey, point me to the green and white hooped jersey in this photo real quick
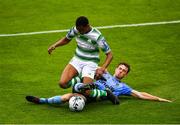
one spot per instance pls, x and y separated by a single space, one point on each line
88 44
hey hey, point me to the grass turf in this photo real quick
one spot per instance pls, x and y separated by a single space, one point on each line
152 51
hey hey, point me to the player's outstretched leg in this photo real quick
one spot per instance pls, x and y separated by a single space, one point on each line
33 99
52 100
91 91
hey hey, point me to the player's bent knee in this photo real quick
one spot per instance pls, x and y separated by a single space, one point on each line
63 84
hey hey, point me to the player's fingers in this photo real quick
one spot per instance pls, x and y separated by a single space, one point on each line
49 52
97 76
168 100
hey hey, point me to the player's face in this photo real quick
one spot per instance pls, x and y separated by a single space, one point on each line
121 71
83 29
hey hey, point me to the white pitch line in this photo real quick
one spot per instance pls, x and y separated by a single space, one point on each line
99 27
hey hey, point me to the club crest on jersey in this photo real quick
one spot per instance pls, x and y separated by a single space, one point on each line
89 40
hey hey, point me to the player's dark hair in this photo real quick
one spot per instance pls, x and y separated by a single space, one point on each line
125 64
82 21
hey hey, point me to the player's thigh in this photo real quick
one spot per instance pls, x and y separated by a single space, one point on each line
88 72
68 73
87 80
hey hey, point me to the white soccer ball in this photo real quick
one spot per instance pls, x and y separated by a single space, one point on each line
76 103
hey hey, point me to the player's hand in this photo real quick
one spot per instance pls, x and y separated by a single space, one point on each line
99 72
164 100
51 48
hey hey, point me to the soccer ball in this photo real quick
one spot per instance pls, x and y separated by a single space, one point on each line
76 103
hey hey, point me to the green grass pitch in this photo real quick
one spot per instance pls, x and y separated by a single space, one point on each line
27 69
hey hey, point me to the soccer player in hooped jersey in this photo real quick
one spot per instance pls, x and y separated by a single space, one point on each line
86 58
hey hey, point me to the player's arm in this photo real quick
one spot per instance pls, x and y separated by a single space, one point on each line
107 61
69 36
60 42
102 69
109 56
147 96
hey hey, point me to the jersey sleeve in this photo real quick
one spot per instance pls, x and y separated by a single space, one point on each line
71 33
124 89
103 44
